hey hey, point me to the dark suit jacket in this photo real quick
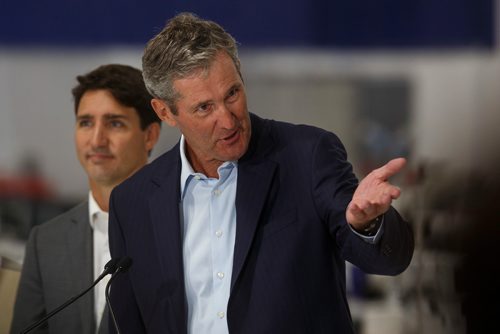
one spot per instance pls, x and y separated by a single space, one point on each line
58 265
292 239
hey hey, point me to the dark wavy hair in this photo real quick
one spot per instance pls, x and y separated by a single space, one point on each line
126 85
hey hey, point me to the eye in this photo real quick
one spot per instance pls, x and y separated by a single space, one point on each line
84 123
204 108
233 94
116 124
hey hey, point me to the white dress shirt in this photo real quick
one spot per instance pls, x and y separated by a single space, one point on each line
99 223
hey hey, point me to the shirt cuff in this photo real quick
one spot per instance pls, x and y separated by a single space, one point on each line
375 235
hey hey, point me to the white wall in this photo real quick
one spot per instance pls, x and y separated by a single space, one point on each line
455 103
456 106
37 113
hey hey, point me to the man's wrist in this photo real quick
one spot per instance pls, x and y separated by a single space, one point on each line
372 227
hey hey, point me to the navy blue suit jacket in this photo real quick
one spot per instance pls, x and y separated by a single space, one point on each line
292 238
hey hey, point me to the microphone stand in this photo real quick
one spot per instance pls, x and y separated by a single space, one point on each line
122 266
108 268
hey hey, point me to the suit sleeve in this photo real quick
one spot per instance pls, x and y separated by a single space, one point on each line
30 305
122 297
333 184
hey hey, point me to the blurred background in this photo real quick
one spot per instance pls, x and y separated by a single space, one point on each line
418 79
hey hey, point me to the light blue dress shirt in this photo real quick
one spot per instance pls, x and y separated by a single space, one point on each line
209 231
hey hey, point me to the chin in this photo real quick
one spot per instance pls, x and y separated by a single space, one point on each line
234 152
235 156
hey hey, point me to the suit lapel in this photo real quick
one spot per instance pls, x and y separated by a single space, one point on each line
164 209
80 246
255 176
253 185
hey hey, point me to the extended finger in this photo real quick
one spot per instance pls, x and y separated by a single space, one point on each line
391 168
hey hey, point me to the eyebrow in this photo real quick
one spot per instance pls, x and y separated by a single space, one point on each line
235 85
106 116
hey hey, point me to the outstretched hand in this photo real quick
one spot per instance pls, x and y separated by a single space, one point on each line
374 195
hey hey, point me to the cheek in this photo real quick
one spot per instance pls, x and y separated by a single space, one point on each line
241 107
132 150
79 146
82 138
196 132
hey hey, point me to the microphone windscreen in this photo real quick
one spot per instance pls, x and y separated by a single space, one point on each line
110 266
124 263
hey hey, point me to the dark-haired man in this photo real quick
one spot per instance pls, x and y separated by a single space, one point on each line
116 129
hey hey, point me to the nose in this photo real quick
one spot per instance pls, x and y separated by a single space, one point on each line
226 119
99 137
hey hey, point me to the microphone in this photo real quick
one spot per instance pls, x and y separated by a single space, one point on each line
109 268
121 267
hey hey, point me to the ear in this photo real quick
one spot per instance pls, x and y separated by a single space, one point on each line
152 135
163 111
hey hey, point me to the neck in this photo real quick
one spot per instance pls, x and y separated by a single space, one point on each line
208 168
101 195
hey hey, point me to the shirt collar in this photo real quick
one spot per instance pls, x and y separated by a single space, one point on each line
187 171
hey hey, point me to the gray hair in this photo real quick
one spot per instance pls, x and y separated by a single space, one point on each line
186 44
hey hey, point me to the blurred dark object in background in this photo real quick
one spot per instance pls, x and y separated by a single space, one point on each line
478 275
27 199
454 279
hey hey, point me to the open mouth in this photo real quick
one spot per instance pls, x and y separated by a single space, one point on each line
232 138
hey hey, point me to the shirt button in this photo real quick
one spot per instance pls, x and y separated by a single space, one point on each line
196 177
218 233
220 275
217 192
221 314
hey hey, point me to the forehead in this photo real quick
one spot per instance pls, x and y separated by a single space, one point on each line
101 103
219 76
